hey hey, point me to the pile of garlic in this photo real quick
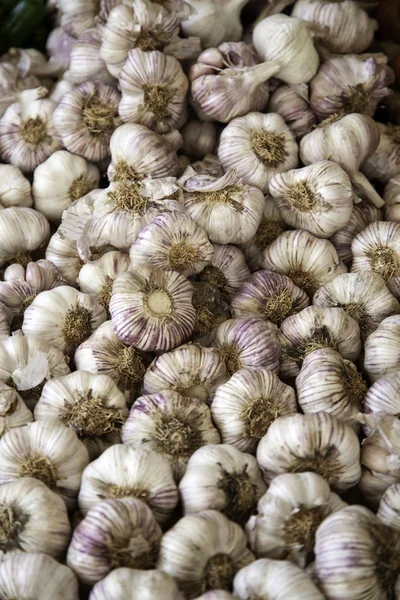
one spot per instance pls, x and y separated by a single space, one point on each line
200 305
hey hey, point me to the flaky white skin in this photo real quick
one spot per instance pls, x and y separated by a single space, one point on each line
13 411
15 189
22 230
382 349
140 585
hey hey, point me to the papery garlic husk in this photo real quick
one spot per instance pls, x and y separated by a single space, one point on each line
85 62
289 42
212 308
48 451
389 507
199 138
173 242
32 62
245 406
22 232
316 442
318 198
349 83
89 404
346 140
344 27
391 196
96 278
114 533
382 349
12 83
382 397
139 584
153 87
362 215
209 165
313 328
307 260
229 81
62 87
203 552
152 309
5 321
258 146
190 370
13 411
357 538
125 472
220 477
384 163
60 180
227 209
228 270
28 133
170 425
86 118
288 516
294 109
39 575
15 189
247 342
138 152
330 384
59 46
77 15
215 595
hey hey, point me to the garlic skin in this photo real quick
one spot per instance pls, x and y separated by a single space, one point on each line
391 196
384 163
245 406
382 349
39 575
288 516
125 472
307 260
220 477
86 118
59 46
316 442
64 317
22 232
274 580
199 138
389 508
162 300
13 411
317 198
48 451
114 533
290 43
331 384
383 397
96 278
212 23
77 15
153 87
211 307
12 84
60 89
85 62
294 109
15 189
228 270
203 552
258 146
143 585
60 180
215 595
190 370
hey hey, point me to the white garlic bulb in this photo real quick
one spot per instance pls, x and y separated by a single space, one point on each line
15 189
96 278
77 15
384 163
316 442
383 397
382 349
389 507
391 196
59 46
125 472
228 270
13 83
85 62
258 146
203 552
245 406
140 585
294 109
13 411
216 595
199 138
22 232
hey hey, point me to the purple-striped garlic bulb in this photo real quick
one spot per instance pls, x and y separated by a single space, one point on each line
294 109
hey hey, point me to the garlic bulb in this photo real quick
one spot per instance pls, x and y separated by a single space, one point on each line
13 82
85 119
229 211
245 406
85 62
211 307
383 397
318 198
258 146
350 84
64 317
316 442
294 109
274 580
384 163
190 370
289 42
288 516
346 542
215 595
151 308
346 140
220 477
39 575
89 404
228 82
15 189
171 425
203 552
307 260
382 349
154 88
125 472
140 585
114 533
345 27
228 270
59 46
96 278
13 411
60 89
331 384
247 342
27 131
389 508
45 450
22 232
77 15
60 180
199 138
313 328
391 196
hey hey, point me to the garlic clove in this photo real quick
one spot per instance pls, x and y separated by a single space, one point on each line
152 583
